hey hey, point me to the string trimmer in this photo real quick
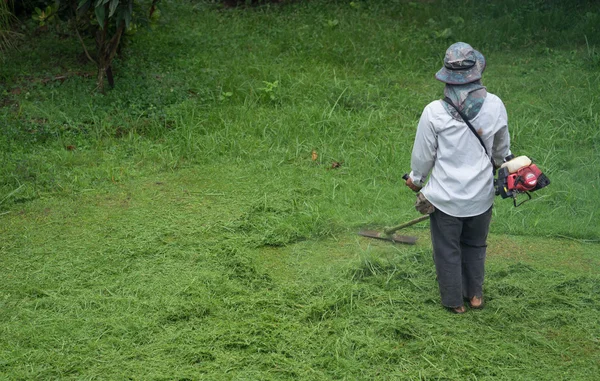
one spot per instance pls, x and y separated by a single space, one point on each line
388 234
516 176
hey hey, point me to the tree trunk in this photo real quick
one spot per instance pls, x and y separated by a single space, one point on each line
152 8
101 48
107 49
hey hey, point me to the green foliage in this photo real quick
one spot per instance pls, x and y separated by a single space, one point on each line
106 22
270 89
45 16
109 20
117 11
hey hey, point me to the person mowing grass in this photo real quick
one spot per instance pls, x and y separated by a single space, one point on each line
459 143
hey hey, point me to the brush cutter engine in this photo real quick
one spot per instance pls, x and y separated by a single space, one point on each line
519 175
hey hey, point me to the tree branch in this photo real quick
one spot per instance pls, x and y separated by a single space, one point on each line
115 41
84 47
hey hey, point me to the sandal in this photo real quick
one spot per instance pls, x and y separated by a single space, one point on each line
457 310
476 303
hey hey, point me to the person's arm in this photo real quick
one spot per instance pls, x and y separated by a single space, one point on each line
424 151
501 147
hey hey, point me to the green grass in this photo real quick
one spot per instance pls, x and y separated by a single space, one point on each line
184 276
177 227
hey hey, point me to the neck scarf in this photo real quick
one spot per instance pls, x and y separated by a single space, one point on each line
468 98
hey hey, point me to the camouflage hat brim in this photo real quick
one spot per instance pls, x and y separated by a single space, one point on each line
461 77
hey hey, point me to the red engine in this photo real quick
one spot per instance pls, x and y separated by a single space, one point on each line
525 179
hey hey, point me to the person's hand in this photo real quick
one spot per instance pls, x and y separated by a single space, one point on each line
422 205
412 186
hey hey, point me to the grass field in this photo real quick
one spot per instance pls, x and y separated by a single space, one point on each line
178 228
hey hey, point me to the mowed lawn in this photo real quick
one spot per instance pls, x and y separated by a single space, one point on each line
167 277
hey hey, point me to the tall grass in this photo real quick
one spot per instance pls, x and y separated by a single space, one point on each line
8 36
271 84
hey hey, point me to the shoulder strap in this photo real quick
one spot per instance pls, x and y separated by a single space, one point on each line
466 120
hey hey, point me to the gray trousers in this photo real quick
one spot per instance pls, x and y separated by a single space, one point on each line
459 245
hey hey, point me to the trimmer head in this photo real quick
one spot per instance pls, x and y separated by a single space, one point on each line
408 240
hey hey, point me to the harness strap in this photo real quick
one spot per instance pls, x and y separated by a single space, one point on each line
466 120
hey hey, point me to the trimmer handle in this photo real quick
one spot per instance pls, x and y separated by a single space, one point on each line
393 229
406 177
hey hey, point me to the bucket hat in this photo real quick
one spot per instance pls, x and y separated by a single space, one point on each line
462 64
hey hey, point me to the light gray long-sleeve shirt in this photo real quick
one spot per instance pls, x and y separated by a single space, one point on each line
461 182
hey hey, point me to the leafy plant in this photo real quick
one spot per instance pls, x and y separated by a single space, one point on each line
333 23
45 16
270 89
225 95
107 21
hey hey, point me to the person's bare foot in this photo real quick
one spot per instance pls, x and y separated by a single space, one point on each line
458 310
476 302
